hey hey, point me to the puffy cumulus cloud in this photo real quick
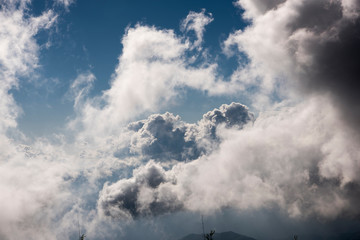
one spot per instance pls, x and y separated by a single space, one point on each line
233 115
196 22
297 159
147 193
313 45
165 137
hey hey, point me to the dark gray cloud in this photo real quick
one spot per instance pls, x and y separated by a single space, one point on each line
334 52
336 69
165 137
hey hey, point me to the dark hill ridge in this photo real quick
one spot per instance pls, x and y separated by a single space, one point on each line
219 236
334 236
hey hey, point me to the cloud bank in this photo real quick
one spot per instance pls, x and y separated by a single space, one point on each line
295 160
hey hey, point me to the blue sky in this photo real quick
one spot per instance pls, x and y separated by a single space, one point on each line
132 118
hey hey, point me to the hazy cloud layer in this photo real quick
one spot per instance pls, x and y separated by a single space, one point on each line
31 185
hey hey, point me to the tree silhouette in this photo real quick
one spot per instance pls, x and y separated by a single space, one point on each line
209 236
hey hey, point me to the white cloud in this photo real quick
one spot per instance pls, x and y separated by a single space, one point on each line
65 3
152 70
29 182
196 22
257 8
164 137
80 88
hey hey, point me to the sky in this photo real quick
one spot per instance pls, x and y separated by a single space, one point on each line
125 119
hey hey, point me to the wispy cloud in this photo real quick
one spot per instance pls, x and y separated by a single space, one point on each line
196 22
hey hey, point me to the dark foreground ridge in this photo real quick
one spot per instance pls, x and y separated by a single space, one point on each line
219 236
235 236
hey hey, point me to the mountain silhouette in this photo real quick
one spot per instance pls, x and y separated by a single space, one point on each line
219 236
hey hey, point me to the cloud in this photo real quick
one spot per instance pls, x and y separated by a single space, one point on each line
196 22
65 3
140 196
18 53
80 88
299 159
257 7
301 47
165 137
297 156
31 186
151 70
233 115
18 57
155 67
